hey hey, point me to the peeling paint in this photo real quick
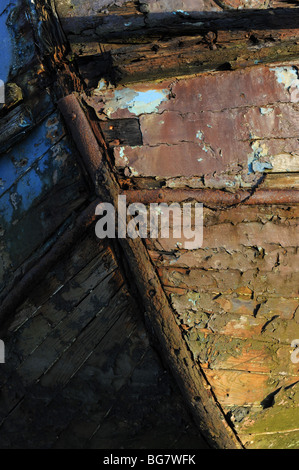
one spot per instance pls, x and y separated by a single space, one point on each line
102 85
182 12
259 151
205 148
289 77
19 159
133 172
193 302
137 102
265 111
260 167
122 154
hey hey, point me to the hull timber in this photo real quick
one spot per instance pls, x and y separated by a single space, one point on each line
160 103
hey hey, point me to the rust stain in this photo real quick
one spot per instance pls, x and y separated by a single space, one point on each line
213 196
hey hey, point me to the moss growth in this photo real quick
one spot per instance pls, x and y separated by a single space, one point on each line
288 440
282 416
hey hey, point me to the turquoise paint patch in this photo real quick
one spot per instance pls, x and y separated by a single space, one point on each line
137 102
265 111
182 12
147 101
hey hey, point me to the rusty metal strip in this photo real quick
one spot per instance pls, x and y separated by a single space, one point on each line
214 196
20 289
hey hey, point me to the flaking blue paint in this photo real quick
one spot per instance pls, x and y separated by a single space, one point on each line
23 155
6 43
29 188
34 183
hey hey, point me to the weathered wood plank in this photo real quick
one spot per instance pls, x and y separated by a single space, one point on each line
60 339
14 126
87 393
45 316
19 121
176 25
111 364
192 382
71 361
121 132
281 180
276 424
214 282
66 331
237 388
223 58
285 163
56 279
278 440
15 163
228 41
52 182
217 352
121 379
192 117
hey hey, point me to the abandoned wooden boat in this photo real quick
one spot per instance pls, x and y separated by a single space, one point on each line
141 342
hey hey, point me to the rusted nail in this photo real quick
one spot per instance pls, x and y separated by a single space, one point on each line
210 36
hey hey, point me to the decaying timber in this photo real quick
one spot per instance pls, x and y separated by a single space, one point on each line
160 101
190 379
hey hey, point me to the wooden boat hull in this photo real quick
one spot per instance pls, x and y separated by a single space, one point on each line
138 119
